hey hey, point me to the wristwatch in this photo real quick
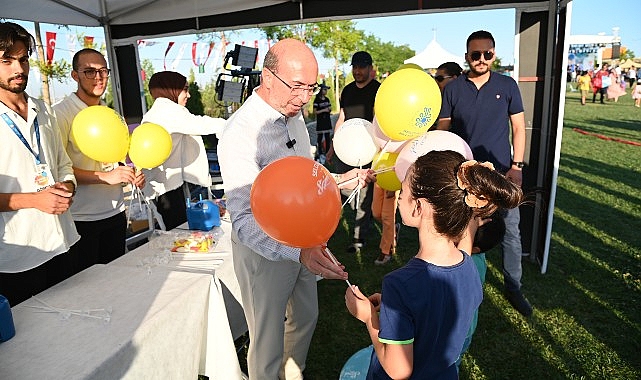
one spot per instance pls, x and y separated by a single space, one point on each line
518 164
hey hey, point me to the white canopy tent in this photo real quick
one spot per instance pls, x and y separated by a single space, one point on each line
540 43
434 55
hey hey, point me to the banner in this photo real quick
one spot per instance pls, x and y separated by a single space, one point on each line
51 46
88 42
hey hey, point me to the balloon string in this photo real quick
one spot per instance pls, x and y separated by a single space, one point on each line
333 258
380 155
379 171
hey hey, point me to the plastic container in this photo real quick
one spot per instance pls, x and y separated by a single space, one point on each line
7 329
203 215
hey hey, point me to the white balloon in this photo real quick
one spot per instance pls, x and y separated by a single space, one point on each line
432 140
353 142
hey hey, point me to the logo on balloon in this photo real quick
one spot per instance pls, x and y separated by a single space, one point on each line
425 118
322 185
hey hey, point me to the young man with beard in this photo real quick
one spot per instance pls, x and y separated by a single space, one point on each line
36 180
480 106
357 101
99 208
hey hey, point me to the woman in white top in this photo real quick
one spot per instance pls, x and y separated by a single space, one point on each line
188 159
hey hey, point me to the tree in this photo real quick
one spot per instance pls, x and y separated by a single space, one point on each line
626 54
58 70
195 102
147 71
337 40
387 56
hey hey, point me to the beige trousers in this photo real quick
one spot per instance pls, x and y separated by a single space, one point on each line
281 308
384 207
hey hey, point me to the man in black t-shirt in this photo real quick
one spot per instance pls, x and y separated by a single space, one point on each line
357 101
322 109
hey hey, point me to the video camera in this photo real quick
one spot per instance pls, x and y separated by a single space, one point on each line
238 84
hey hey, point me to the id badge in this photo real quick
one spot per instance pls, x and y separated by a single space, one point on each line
42 177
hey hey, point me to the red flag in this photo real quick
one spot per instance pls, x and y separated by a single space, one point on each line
164 65
88 41
194 48
51 46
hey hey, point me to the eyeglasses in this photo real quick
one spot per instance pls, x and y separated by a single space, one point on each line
441 78
476 55
91 73
300 90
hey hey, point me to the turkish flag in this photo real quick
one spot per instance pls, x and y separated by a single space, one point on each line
51 46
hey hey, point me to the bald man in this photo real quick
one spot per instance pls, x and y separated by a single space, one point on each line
277 282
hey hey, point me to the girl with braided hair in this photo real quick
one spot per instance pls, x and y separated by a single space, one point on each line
427 306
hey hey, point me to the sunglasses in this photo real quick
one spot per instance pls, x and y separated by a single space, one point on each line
476 55
441 78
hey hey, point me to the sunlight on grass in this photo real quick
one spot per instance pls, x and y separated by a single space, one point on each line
606 305
615 244
556 336
608 192
596 359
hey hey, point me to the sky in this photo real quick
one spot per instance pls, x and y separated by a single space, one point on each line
416 31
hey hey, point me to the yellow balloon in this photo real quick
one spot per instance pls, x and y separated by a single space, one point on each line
407 104
386 180
101 134
409 66
150 145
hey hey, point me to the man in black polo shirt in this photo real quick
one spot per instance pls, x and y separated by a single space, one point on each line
357 101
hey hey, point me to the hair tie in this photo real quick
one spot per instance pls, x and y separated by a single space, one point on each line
470 199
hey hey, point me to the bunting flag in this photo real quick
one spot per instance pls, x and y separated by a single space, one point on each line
176 62
71 45
164 64
51 46
88 42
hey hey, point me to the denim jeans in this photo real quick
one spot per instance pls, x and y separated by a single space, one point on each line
512 251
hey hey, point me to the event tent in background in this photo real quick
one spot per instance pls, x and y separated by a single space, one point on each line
541 53
434 55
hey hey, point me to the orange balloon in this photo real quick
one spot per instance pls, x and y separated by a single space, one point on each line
296 202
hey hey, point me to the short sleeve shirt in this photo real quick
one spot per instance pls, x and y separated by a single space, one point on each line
431 307
482 116
323 120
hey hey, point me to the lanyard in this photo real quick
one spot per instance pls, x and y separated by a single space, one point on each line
15 130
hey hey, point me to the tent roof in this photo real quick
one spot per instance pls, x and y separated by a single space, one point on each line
434 55
135 19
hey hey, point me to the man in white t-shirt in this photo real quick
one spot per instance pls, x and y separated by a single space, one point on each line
98 209
36 180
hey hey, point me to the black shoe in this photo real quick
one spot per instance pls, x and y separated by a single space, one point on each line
356 246
519 302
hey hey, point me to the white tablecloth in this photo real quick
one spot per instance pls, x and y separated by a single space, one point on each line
169 321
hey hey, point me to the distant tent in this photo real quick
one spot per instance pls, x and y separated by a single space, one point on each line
434 55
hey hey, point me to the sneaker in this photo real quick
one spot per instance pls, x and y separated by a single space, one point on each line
356 246
519 302
382 259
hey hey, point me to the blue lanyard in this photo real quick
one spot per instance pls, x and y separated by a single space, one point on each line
15 130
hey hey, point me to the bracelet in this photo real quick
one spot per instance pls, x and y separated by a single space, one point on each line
518 164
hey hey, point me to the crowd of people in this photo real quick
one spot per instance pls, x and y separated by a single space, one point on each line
63 211
610 83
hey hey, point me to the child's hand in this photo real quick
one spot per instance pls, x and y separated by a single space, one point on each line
357 304
375 299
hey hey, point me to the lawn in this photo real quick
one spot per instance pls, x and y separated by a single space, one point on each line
587 307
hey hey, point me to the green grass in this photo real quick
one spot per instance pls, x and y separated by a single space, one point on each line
587 307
